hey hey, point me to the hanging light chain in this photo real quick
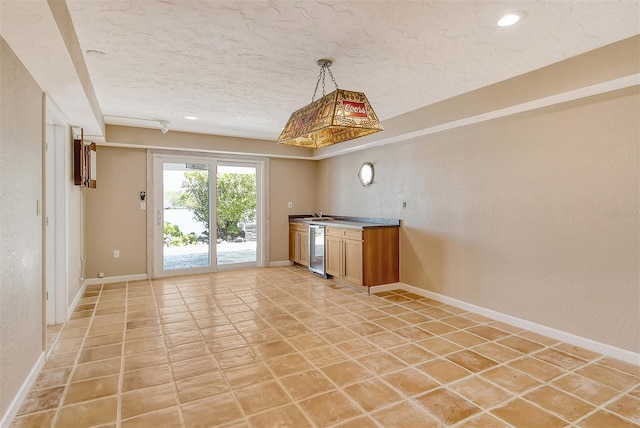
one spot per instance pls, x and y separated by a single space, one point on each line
325 65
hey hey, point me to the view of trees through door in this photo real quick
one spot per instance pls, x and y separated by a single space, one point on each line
188 238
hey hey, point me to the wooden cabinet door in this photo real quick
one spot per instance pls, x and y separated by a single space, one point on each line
353 261
292 245
333 255
303 257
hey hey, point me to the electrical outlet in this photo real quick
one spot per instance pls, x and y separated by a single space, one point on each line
116 254
290 204
101 275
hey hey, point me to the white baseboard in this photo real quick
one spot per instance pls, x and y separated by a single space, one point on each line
76 299
583 342
280 263
122 278
13 408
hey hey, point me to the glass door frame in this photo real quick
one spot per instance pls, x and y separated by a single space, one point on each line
155 217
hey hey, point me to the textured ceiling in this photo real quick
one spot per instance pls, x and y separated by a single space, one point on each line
242 67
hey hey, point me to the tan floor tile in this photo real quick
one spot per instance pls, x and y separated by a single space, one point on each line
361 422
446 406
91 389
412 333
150 344
373 314
183 338
480 392
144 378
51 378
439 346
288 364
484 421
437 327
239 377
522 414
603 419
471 361
412 354
357 348
459 322
90 413
496 352
102 329
621 366
97 369
372 394
559 403
405 415
196 366
100 353
381 363
187 352
63 346
510 379
286 416
201 386
33 420
137 324
520 344
386 340
166 418
339 335
585 388
145 359
306 384
560 359
105 339
262 336
538 338
226 343
410 382
261 397
443 370
41 399
72 333
236 357
325 355
626 406
346 372
366 329
576 351
537 369
610 377
488 332
146 400
219 410
143 333
464 339
329 409
274 349
390 323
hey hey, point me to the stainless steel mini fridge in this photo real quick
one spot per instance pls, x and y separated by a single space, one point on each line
316 249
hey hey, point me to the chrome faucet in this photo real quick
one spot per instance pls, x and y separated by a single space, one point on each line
316 213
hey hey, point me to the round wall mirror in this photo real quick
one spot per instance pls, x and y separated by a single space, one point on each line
366 174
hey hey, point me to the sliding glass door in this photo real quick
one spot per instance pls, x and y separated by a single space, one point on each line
207 215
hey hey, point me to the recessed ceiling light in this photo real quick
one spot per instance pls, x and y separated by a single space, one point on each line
509 19
191 118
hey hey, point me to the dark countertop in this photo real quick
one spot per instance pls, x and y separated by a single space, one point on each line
348 222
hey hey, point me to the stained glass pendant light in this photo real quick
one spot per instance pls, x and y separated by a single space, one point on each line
339 116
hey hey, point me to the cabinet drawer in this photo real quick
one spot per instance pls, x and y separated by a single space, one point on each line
338 232
353 234
299 227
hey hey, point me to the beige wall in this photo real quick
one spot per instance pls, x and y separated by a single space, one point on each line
533 215
289 181
21 290
113 219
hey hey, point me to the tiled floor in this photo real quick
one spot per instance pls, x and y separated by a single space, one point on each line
282 347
